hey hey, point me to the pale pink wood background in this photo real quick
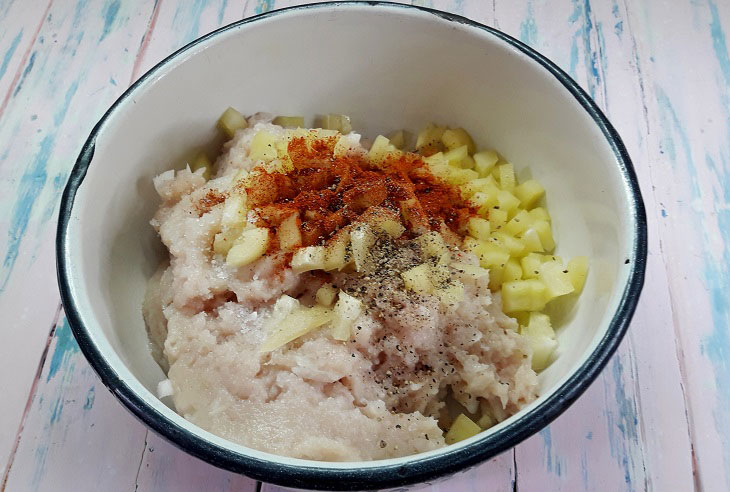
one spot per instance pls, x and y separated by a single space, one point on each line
656 419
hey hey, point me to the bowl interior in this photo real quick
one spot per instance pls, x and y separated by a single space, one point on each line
390 68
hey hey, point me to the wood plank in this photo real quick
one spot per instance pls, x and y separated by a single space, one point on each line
21 23
689 160
612 438
75 423
72 74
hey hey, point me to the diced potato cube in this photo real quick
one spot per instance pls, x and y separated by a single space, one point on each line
428 141
539 213
515 246
362 239
556 279
519 223
457 137
388 223
436 160
440 274
506 176
542 351
531 265
457 155
450 294
290 236
485 185
263 146
418 279
497 218
224 241
462 428
512 270
522 317
457 176
346 311
538 325
529 193
289 121
230 121
432 244
249 247
507 202
335 253
309 258
338 122
578 272
486 421
298 323
483 201
489 254
468 162
524 295
531 240
380 149
466 270
496 273
398 139
234 211
326 295
201 161
544 231
478 228
484 162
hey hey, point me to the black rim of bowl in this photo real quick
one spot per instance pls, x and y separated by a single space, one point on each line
418 469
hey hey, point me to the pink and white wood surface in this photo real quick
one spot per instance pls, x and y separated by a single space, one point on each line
658 418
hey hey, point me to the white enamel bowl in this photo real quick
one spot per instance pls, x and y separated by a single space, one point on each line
389 67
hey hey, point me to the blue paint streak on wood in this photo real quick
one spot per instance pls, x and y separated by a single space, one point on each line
622 422
59 181
62 363
582 12
31 184
111 9
263 6
26 71
719 43
9 53
222 11
618 27
186 12
528 27
553 463
90 397
66 347
717 279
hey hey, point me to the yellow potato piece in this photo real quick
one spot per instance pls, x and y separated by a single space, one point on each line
290 236
249 247
457 137
524 295
289 121
326 295
230 121
418 279
529 193
462 428
484 162
296 324
202 161
578 272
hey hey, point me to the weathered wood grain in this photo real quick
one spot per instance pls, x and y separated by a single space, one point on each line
657 417
79 56
683 52
614 453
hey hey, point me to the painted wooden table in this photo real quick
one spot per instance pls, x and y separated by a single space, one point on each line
657 418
